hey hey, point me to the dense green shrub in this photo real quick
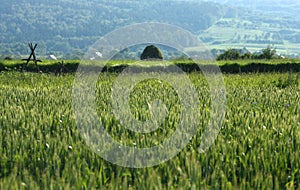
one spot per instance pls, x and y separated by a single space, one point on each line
151 52
229 54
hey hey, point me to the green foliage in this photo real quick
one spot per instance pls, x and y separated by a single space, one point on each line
234 54
290 80
187 65
229 54
268 53
151 52
246 55
64 25
41 147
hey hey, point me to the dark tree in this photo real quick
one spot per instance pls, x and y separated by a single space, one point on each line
151 52
268 52
229 54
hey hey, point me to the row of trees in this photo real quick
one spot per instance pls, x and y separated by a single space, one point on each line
233 54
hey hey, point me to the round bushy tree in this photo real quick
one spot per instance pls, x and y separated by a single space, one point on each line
229 54
268 52
151 52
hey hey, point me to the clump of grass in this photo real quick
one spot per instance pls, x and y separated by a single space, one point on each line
288 80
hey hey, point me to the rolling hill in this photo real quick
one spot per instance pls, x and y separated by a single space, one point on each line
67 28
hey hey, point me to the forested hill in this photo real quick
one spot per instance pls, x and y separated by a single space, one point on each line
69 27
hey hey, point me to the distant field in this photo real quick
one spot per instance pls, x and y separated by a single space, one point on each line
240 33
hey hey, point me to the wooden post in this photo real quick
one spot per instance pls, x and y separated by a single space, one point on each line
32 54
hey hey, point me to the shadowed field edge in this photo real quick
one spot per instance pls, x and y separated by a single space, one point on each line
252 67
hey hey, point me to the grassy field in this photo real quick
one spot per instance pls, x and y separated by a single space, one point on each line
240 33
257 147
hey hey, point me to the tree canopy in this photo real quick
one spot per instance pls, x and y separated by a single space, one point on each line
151 52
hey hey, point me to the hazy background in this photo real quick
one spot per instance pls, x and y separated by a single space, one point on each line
66 28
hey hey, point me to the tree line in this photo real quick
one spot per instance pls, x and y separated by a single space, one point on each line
234 54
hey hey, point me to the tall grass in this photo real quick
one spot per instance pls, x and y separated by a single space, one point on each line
257 148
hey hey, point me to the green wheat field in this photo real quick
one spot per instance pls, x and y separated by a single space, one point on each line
258 146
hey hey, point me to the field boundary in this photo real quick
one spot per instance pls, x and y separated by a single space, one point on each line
186 66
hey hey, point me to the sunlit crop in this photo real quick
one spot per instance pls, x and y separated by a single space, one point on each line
257 147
